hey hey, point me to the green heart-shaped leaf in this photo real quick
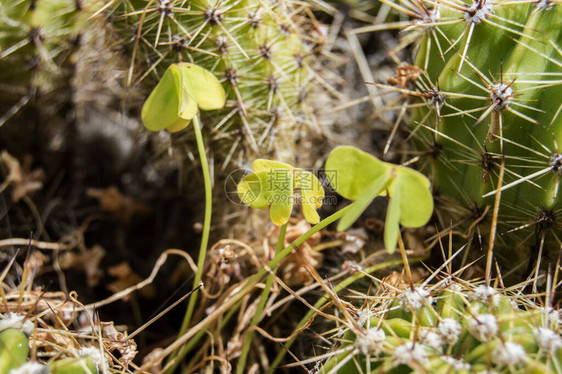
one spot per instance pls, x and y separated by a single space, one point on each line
176 98
166 103
202 86
281 197
351 170
312 195
251 192
417 203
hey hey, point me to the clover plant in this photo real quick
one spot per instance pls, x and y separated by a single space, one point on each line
183 89
172 105
273 184
362 177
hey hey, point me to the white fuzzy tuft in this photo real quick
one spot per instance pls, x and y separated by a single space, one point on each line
410 352
97 356
456 364
431 339
414 300
509 354
502 96
449 329
478 11
15 320
547 339
31 368
483 326
485 294
431 16
371 342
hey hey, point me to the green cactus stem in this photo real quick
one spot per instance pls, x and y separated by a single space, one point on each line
490 76
454 328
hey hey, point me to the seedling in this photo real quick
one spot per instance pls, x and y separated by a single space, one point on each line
273 184
183 89
171 106
362 177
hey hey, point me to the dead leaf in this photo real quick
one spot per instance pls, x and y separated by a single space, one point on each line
405 75
414 240
353 240
111 200
87 262
22 179
117 340
126 278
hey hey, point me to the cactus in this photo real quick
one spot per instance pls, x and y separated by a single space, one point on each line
37 40
15 348
258 50
73 365
489 76
449 327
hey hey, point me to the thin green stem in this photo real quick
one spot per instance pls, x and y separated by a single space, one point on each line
194 334
261 304
206 222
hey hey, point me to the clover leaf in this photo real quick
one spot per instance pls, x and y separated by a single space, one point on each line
361 177
272 184
183 89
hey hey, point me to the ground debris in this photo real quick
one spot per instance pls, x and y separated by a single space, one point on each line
21 178
87 261
111 200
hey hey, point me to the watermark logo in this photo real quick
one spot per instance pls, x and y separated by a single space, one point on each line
278 180
231 186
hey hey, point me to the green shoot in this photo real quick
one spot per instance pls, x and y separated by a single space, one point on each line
273 184
171 106
263 299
